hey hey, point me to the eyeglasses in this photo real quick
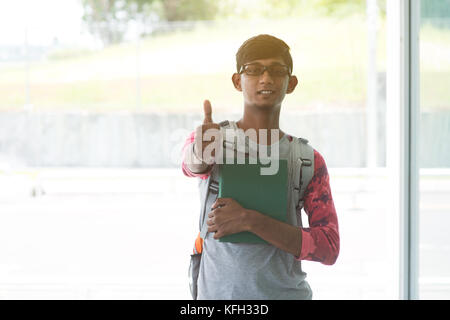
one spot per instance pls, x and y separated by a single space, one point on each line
257 69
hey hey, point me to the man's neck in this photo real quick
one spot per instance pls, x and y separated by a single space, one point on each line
257 119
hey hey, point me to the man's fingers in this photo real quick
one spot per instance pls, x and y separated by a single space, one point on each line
207 109
217 234
220 202
206 134
212 228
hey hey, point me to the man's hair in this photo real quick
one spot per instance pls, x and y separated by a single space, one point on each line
263 46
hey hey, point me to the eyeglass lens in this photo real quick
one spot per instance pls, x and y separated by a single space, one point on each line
258 69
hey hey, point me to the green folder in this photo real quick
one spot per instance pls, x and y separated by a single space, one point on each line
264 193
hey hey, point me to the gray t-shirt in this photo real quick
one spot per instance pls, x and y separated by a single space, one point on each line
251 271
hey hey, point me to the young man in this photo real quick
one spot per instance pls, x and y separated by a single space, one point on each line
260 271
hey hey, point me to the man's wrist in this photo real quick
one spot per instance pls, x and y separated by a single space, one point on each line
251 219
195 164
197 160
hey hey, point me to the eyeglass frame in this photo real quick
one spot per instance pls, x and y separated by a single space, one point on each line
265 68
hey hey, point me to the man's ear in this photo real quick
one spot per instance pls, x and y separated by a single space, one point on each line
293 81
236 78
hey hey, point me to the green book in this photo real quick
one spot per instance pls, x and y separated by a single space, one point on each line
264 193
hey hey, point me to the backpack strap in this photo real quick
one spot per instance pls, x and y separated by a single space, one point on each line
211 196
212 190
302 166
231 138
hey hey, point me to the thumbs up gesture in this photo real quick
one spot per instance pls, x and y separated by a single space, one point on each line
207 110
205 135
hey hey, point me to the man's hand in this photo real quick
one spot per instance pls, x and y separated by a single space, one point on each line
227 217
201 142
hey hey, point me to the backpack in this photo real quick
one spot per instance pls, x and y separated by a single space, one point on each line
300 171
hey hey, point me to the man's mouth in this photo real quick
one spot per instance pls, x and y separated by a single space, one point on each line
266 92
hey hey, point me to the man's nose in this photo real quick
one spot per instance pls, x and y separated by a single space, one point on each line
265 77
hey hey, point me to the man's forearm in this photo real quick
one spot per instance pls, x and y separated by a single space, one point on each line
198 168
282 235
194 164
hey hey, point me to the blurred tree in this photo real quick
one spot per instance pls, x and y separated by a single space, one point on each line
435 8
105 19
341 6
436 12
179 10
109 19
296 8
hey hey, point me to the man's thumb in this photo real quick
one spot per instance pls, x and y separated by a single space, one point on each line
207 111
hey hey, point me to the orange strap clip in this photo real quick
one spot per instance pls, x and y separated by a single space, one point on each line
198 246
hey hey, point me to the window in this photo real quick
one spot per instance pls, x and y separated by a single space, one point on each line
92 131
434 154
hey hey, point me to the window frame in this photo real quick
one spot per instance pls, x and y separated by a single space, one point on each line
403 99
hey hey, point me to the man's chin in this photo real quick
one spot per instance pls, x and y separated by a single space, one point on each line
262 104
266 106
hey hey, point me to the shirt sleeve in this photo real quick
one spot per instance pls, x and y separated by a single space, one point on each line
320 242
184 168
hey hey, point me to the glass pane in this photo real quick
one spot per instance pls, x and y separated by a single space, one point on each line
104 189
434 155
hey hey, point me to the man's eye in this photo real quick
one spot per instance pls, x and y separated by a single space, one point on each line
279 71
254 69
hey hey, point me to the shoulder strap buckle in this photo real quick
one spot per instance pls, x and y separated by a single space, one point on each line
306 162
214 186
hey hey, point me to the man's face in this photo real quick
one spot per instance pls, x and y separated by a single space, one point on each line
265 90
